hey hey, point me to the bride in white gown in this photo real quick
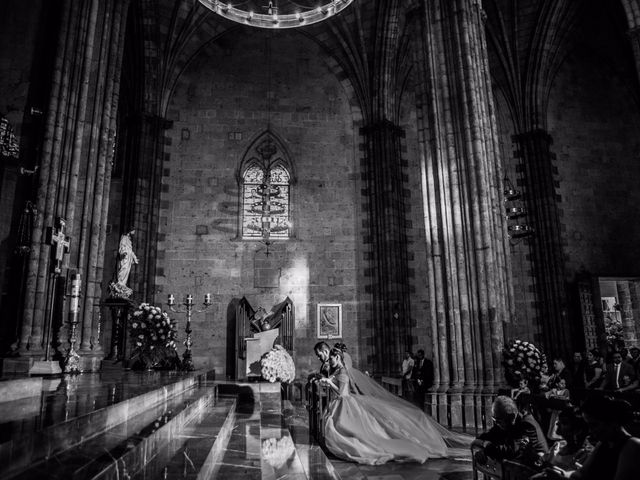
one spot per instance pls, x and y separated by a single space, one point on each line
367 424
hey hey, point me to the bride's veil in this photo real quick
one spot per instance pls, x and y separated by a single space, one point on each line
457 443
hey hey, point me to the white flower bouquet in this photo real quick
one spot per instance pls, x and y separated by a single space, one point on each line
276 451
277 365
153 335
522 360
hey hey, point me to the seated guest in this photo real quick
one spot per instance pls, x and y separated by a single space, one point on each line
593 369
559 391
570 452
577 370
560 371
634 359
616 454
544 377
620 376
523 388
513 436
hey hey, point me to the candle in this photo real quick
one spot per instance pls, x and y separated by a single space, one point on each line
171 300
207 299
75 293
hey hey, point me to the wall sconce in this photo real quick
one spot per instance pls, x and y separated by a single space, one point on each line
517 228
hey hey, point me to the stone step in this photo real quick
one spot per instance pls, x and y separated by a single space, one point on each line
197 451
194 425
22 448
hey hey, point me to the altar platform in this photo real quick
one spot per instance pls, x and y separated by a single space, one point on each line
173 425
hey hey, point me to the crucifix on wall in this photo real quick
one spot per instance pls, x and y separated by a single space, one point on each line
57 238
59 242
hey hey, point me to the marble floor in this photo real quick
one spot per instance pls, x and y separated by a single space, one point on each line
140 425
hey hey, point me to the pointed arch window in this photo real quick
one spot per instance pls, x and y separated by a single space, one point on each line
266 185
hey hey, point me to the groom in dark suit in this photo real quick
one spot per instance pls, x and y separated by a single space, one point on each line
422 377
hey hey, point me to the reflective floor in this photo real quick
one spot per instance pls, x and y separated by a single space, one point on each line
154 425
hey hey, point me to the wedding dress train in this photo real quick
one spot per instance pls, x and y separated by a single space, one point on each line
367 424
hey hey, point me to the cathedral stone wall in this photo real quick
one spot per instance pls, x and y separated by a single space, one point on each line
522 323
18 33
219 107
418 276
594 124
592 120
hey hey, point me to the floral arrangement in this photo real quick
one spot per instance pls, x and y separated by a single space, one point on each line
522 360
614 332
153 335
277 365
276 451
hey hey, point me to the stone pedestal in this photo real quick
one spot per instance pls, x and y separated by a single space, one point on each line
257 346
120 309
45 367
16 365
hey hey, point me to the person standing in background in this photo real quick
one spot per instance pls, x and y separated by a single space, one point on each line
422 378
407 370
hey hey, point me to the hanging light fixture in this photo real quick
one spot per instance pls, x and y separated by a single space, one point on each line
276 13
517 228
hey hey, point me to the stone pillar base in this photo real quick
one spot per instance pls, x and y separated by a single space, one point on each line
90 364
16 365
45 367
463 411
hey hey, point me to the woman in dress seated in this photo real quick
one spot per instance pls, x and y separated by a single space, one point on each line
374 428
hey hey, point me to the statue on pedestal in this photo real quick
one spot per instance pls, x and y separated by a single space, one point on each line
126 258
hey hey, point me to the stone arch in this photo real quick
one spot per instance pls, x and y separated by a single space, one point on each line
632 12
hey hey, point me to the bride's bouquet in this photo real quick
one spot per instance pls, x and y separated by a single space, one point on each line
277 365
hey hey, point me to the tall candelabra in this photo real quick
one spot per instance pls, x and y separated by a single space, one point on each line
187 361
72 360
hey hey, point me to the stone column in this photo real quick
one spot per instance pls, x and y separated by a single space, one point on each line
534 150
75 161
634 290
634 39
466 237
626 310
389 271
145 200
91 255
76 21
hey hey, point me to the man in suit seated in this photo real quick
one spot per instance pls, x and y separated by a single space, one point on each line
620 376
513 436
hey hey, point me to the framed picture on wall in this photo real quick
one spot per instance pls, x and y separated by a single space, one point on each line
329 320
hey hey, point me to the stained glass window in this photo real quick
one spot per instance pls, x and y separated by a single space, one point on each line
265 205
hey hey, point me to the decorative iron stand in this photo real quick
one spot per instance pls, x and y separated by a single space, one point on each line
187 359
